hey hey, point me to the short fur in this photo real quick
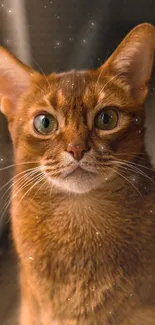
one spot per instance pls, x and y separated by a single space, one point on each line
84 230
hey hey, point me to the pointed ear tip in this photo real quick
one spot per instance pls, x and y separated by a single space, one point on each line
144 28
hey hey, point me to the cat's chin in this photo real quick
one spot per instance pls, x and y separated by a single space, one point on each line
79 181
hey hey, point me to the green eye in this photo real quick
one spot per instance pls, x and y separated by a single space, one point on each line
106 119
45 124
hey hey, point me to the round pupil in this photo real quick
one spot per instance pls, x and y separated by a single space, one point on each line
105 118
45 122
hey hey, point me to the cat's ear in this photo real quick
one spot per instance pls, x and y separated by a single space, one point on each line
132 62
15 79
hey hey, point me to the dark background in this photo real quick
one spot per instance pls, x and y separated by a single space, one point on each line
67 34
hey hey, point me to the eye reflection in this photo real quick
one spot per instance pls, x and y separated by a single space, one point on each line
106 119
44 123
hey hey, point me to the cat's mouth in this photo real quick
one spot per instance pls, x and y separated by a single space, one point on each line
77 172
76 179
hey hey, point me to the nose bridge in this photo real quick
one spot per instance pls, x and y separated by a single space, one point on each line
76 132
77 138
76 141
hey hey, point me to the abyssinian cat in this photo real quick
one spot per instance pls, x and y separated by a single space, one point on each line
83 197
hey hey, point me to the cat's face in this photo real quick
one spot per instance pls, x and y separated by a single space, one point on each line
78 126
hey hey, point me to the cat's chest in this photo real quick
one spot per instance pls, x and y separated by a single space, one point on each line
84 253
89 223
73 234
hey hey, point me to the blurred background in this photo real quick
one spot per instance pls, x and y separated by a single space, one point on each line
59 35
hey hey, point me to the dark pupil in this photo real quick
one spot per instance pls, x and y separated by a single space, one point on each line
45 122
105 118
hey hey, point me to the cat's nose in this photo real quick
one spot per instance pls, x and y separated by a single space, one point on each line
77 150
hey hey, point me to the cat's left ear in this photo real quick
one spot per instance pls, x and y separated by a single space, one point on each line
15 79
132 62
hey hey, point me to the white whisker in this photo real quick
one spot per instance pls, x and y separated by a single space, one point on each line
129 182
16 176
135 169
107 83
98 79
133 163
29 190
45 77
22 163
17 191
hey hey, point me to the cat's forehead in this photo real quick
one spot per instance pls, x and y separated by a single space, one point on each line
76 92
64 93
73 89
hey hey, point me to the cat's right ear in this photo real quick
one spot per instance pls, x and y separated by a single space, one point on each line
15 79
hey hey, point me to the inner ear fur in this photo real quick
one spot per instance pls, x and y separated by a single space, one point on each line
132 62
15 79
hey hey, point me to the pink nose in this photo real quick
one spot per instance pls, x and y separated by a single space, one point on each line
77 150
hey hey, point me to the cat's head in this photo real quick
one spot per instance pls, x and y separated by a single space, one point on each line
79 126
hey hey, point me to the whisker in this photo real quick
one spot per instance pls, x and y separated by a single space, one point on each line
44 93
127 153
132 155
11 198
16 176
17 191
130 162
45 77
22 163
40 187
135 168
15 195
19 182
98 79
111 79
29 190
129 170
129 182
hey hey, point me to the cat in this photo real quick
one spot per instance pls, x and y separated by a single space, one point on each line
83 196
